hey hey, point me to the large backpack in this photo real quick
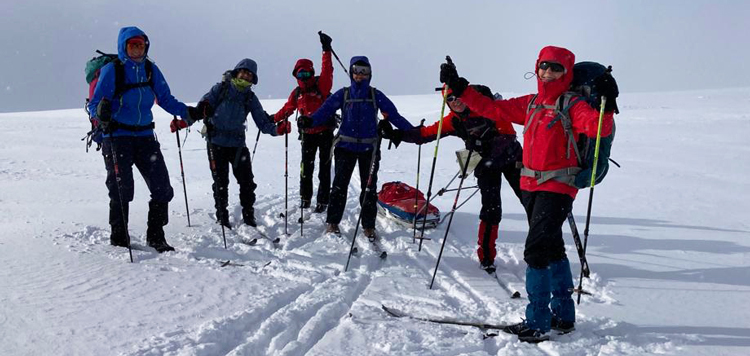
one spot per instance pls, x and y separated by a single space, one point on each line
92 71
583 88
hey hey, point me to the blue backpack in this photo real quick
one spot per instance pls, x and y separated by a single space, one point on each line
583 88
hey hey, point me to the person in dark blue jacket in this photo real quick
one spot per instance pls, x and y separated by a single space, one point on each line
122 101
233 99
356 141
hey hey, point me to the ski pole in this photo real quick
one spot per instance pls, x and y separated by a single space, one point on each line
212 163
119 192
257 138
363 200
286 180
434 157
301 176
476 190
438 194
416 193
453 210
182 172
591 192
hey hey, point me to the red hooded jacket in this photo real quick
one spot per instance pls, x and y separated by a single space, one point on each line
311 92
544 148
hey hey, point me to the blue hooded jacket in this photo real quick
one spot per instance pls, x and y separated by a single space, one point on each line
359 119
134 106
231 107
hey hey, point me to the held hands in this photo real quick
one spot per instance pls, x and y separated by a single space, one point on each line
283 127
304 122
325 41
177 125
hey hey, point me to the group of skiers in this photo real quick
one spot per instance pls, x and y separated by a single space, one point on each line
125 93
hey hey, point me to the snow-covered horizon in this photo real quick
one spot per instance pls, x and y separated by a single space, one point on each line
668 249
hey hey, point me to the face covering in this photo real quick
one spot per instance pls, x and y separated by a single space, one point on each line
240 84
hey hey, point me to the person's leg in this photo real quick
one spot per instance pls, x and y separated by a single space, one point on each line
309 146
220 174
243 172
324 173
488 179
119 182
150 162
369 208
345 161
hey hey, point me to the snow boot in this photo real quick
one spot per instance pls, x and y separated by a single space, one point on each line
562 327
222 217
119 236
119 233
371 234
489 268
319 208
333 229
157 218
526 334
248 216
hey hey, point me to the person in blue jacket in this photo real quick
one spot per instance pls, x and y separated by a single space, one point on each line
356 142
122 101
233 99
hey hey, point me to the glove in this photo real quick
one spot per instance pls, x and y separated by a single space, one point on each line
449 76
177 125
607 87
283 127
193 114
104 114
205 109
325 40
304 122
387 132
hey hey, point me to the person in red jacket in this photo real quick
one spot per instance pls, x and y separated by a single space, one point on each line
306 98
549 282
495 141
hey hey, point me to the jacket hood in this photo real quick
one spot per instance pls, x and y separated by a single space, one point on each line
127 33
554 89
307 65
248 64
362 59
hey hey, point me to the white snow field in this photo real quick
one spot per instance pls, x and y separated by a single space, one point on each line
668 247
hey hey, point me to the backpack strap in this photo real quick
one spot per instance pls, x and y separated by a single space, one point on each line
562 114
121 87
342 138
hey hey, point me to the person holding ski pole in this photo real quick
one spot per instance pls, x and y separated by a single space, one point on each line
495 141
122 100
356 141
226 107
307 97
546 179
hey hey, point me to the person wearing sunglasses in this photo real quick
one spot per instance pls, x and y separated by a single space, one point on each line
495 141
123 109
226 107
307 97
549 282
356 142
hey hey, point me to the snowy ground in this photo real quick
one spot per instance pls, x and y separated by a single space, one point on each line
668 249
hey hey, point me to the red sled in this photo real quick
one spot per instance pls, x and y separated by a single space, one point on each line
396 202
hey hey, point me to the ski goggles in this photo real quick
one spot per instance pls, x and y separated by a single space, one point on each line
361 70
304 74
451 98
555 67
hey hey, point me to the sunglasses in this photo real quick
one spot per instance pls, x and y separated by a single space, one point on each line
138 45
361 70
555 67
303 74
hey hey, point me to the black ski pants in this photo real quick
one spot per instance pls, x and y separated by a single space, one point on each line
546 213
239 159
145 153
489 178
311 143
345 160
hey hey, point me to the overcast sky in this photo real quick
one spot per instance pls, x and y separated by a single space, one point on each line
653 45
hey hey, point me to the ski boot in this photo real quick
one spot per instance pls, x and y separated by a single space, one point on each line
371 234
320 208
333 229
526 334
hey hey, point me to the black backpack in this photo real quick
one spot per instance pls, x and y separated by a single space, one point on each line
583 88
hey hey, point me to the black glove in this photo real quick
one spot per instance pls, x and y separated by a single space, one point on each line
104 114
205 109
194 114
304 122
325 40
607 87
387 132
449 76
474 144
